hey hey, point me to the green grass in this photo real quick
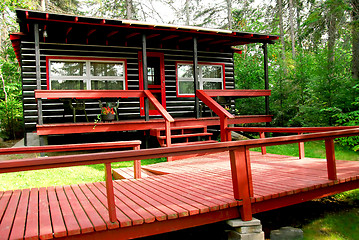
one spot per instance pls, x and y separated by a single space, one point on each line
313 150
342 225
61 176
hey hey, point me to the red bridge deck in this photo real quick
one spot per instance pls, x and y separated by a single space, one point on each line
191 193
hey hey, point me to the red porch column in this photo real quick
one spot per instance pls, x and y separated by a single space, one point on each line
110 194
263 149
242 180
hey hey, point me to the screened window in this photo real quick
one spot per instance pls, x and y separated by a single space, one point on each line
86 75
209 77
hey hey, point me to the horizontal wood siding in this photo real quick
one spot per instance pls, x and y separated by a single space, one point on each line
129 108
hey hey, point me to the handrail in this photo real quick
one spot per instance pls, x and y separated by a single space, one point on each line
40 163
239 157
223 114
238 93
158 106
299 130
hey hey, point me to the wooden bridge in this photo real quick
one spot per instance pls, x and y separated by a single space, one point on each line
228 182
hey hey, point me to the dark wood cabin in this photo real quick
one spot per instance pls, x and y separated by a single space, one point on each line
79 54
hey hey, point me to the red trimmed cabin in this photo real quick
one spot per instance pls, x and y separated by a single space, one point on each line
69 63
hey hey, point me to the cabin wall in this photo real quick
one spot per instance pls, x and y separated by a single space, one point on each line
129 108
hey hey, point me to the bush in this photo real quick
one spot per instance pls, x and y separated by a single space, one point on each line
11 118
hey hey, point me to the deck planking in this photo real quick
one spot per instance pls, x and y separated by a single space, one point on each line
188 192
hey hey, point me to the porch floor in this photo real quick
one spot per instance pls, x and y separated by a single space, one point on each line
189 193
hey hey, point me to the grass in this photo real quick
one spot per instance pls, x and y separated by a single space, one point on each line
61 176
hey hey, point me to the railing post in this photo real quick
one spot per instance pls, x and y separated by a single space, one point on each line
137 166
263 149
242 180
301 149
223 126
331 165
110 194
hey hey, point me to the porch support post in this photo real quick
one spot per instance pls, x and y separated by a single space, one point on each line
266 78
195 77
137 166
145 75
38 80
301 148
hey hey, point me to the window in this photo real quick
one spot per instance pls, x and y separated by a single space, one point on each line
66 74
210 76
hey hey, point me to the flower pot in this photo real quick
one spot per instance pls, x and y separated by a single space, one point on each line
109 117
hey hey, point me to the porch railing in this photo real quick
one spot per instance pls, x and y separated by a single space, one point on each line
98 94
239 159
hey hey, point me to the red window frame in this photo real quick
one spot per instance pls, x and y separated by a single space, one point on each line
199 63
48 58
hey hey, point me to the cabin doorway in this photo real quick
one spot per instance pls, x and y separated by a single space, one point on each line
156 80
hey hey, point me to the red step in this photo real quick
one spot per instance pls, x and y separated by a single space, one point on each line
127 173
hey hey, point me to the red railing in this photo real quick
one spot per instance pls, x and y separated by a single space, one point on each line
239 158
71 160
206 97
298 130
98 94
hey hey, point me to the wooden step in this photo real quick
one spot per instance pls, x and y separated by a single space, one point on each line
157 131
193 143
188 135
127 173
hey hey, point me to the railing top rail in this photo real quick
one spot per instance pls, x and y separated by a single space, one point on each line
238 93
69 147
158 106
88 94
95 158
212 104
289 129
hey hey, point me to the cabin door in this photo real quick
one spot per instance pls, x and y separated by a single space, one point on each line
156 80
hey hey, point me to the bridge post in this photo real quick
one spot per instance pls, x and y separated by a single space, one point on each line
242 180
110 193
331 165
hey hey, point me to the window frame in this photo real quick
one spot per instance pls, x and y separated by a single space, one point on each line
88 78
200 79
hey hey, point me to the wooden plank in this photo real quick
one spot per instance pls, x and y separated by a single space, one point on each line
122 208
151 199
4 202
171 198
9 215
18 229
71 224
124 220
32 222
100 208
45 225
238 92
121 187
82 219
91 212
56 214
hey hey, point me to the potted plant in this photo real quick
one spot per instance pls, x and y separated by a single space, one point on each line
107 114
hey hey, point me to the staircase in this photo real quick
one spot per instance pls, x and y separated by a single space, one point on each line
185 135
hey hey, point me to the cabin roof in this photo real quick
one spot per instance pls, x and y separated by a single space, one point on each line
92 30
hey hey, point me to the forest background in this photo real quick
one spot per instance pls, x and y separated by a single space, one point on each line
314 67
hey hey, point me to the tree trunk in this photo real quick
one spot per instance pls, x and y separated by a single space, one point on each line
281 29
187 12
43 5
355 40
229 13
129 9
292 27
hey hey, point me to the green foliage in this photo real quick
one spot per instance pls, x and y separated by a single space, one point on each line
11 120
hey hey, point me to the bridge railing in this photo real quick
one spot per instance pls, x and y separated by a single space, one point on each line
298 130
238 151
